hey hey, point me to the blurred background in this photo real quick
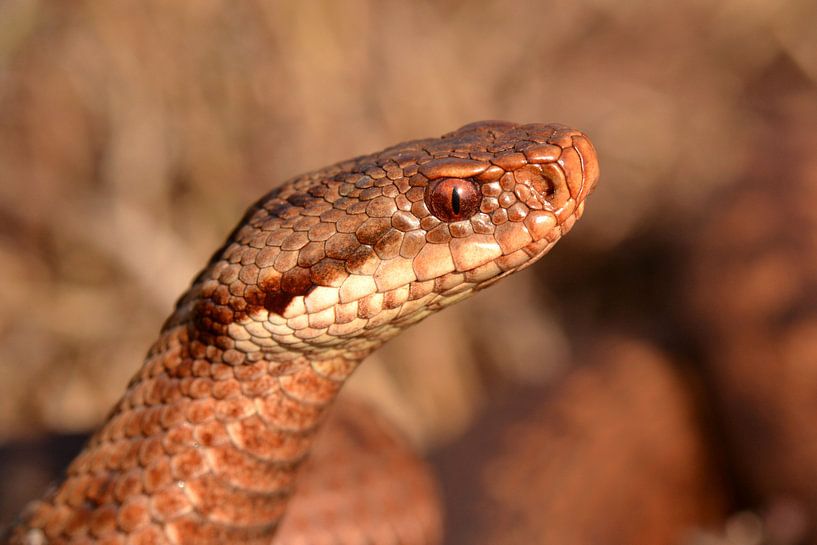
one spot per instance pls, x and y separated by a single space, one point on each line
134 134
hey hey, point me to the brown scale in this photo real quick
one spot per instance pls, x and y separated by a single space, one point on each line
205 444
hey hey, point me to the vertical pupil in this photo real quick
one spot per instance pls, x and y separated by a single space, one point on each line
455 200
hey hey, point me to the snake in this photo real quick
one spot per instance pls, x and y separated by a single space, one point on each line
208 442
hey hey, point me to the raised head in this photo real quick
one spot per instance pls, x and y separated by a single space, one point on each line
338 260
204 445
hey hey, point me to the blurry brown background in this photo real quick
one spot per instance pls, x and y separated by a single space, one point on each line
133 135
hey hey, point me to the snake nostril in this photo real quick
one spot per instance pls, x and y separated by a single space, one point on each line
548 189
545 186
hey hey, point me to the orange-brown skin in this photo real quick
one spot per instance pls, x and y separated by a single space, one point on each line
362 481
205 444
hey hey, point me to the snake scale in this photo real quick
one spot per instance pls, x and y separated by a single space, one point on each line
206 443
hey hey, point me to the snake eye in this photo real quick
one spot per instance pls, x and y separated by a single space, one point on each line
453 199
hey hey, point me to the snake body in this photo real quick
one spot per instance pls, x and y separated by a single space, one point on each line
205 445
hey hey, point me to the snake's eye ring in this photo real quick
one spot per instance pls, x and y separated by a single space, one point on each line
453 199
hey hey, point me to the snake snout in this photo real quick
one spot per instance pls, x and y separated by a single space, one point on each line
559 175
589 165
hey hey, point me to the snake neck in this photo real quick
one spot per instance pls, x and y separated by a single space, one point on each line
197 450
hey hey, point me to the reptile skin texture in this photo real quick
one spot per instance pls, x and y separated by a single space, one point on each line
206 443
362 483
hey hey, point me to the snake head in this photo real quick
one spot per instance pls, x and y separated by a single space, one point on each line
502 207
341 259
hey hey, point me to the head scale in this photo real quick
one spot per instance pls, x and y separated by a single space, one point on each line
336 261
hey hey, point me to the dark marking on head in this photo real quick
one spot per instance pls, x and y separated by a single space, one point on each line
278 302
276 294
297 281
271 296
358 259
279 209
328 272
300 199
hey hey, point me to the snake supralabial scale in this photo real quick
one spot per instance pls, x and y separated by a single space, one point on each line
205 444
